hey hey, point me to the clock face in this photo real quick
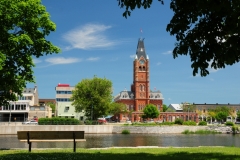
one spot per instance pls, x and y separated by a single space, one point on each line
142 62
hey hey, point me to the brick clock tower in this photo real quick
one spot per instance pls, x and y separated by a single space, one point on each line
140 84
140 94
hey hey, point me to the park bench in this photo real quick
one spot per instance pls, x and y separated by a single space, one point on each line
50 136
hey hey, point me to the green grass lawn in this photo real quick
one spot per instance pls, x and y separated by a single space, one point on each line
192 153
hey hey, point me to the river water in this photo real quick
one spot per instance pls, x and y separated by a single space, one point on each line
131 140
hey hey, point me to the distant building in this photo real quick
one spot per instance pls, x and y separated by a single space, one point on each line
203 109
64 106
18 110
140 94
175 108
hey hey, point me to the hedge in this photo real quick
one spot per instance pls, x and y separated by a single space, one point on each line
58 121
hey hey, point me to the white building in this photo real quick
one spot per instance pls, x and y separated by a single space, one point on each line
18 111
64 106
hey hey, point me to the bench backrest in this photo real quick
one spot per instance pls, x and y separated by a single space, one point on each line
22 135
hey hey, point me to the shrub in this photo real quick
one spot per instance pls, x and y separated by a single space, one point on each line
202 123
125 131
178 121
167 123
187 132
189 123
206 132
235 129
229 124
58 121
200 132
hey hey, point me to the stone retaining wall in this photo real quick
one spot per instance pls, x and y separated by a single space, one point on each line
169 129
109 129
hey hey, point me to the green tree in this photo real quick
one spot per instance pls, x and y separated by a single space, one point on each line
150 111
238 114
189 108
53 106
221 115
206 30
94 96
24 26
165 107
117 108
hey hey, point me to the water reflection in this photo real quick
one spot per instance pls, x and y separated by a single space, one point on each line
131 140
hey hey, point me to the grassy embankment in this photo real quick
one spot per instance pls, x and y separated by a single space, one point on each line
197 153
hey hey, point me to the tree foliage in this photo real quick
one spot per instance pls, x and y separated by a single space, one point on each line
206 30
238 114
150 111
220 113
52 105
165 107
94 96
189 108
117 108
24 26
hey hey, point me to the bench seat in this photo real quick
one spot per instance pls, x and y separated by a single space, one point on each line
51 136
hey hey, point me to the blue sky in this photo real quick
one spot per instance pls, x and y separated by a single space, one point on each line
96 40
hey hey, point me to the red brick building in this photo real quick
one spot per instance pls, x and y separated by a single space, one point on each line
140 94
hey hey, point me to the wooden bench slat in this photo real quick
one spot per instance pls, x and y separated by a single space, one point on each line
49 140
51 134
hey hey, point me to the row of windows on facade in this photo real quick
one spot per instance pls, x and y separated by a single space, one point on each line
63 99
25 98
11 107
141 95
42 108
64 92
208 110
140 107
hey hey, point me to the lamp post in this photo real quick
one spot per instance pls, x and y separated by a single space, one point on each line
10 115
92 112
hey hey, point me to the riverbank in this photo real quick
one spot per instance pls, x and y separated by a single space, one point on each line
110 129
199 153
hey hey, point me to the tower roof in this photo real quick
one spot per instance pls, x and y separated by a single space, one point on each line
141 50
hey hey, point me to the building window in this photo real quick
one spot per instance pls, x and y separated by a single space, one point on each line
66 108
42 108
32 108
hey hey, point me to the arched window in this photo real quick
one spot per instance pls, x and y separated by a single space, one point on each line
143 88
140 87
140 68
143 68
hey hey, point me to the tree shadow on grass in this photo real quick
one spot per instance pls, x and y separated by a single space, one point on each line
120 156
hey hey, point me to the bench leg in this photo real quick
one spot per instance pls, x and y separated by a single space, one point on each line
29 146
74 146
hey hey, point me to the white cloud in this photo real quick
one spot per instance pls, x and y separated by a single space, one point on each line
93 59
168 52
62 60
89 36
133 56
159 63
35 61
